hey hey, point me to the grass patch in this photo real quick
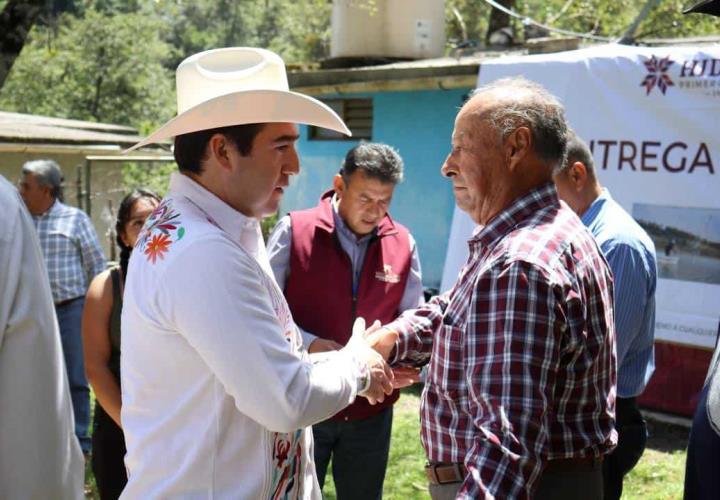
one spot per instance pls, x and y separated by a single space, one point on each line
658 476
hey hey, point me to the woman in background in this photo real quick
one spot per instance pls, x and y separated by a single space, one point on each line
101 345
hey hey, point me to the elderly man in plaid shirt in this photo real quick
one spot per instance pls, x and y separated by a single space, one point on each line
520 394
73 257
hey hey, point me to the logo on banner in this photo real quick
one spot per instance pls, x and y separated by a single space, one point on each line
690 74
657 74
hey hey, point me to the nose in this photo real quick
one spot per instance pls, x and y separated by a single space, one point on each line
375 211
292 166
447 169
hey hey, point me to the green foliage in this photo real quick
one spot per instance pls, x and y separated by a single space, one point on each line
597 17
297 30
96 67
153 176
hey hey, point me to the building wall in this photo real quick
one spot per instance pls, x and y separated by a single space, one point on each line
419 124
106 186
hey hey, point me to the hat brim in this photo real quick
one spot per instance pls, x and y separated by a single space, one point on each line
711 7
250 106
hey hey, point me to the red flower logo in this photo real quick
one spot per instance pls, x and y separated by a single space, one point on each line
657 74
157 247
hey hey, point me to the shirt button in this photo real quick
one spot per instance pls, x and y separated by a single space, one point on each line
346 419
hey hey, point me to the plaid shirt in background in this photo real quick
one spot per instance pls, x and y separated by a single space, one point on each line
522 357
71 249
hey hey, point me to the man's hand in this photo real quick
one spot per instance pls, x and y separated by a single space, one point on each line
381 376
382 340
405 376
323 345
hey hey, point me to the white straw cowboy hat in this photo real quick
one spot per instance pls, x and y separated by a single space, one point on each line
236 86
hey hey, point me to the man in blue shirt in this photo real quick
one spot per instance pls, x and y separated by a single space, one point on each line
631 255
73 257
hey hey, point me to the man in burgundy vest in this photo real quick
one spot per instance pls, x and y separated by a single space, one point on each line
343 259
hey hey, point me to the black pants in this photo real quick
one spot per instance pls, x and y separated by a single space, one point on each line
702 470
632 437
108 454
584 484
359 450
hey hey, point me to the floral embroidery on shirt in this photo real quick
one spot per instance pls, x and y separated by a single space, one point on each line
162 229
157 247
282 312
287 460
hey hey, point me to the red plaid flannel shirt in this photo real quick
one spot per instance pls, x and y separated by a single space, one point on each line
522 357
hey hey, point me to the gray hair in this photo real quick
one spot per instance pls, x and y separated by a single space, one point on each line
376 160
577 150
530 104
47 173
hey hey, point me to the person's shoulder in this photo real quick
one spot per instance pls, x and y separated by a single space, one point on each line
100 289
399 226
616 228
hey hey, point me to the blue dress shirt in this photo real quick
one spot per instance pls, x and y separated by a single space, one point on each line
631 255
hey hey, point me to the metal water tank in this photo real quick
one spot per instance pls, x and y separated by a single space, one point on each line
408 29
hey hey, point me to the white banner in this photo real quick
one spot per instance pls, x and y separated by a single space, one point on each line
651 117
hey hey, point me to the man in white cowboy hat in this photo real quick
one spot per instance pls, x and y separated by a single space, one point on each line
217 389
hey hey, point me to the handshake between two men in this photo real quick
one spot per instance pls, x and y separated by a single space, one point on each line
374 346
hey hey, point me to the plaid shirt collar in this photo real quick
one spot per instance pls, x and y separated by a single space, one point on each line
53 211
511 216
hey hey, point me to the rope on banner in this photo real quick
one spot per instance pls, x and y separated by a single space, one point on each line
527 20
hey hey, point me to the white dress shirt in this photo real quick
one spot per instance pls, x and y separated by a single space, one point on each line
40 456
217 389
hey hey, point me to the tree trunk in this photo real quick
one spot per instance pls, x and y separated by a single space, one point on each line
498 19
16 21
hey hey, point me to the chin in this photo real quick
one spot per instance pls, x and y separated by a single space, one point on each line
269 210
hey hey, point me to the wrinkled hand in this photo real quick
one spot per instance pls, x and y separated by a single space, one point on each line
405 376
381 376
382 340
323 345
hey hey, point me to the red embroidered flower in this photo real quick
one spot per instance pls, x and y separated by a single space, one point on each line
282 449
157 247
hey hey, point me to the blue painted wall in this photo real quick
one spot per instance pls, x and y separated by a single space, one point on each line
418 124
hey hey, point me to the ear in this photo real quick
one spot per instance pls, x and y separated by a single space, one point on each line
124 239
338 185
577 173
517 146
218 147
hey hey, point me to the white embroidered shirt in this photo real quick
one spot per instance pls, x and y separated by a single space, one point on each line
217 390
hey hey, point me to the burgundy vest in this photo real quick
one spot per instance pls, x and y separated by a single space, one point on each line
319 286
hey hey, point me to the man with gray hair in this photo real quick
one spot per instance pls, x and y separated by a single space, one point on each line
520 393
73 257
630 252
346 258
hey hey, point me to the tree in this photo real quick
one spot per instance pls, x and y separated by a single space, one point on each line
16 20
597 17
297 30
98 67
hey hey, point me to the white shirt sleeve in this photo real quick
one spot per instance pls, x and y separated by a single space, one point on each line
230 321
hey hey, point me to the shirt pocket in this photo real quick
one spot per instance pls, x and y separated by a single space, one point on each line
447 371
61 245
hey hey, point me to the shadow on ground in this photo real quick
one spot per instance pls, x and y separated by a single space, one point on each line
666 437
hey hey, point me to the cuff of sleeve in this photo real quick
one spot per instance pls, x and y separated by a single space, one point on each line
400 351
307 338
362 374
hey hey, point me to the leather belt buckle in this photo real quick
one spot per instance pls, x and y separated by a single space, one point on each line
440 473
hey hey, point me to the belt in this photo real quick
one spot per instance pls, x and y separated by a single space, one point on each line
573 464
440 473
66 302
